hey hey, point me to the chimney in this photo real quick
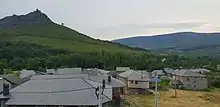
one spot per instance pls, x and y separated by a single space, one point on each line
5 89
109 79
103 84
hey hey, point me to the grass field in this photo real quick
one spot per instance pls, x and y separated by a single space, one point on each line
183 99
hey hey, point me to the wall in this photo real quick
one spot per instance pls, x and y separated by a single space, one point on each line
124 80
140 84
194 82
6 82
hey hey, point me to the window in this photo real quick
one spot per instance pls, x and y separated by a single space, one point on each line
194 86
136 82
188 85
187 79
131 82
194 81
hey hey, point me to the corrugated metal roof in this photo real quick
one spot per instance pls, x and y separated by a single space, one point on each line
57 91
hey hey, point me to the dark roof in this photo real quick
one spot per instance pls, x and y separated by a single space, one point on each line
186 72
57 91
169 71
12 79
97 78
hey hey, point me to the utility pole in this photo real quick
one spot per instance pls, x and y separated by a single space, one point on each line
175 86
100 96
156 96
99 91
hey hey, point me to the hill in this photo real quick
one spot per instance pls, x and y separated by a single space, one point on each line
183 42
37 28
33 41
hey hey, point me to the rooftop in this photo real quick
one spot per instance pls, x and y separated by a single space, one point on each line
97 78
187 72
136 75
57 90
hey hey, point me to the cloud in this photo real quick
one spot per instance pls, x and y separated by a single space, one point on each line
125 30
181 25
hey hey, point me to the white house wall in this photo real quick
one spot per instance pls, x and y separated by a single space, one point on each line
140 84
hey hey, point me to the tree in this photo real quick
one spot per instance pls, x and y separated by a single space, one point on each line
17 63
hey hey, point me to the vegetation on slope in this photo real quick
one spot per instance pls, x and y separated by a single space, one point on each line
33 41
59 37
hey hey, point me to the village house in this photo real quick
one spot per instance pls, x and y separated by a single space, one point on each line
169 72
117 85
189 80
122 69
56 90
159 73
94 71
9 79
136 82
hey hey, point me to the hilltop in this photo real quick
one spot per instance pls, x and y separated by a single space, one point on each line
32 18
34 41
37 28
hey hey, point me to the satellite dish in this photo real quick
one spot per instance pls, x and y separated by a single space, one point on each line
155 80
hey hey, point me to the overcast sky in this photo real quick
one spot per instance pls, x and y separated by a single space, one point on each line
113 19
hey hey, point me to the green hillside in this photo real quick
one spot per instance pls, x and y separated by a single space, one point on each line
33 41
59 37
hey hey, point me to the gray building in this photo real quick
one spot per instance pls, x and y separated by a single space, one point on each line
117 85
159 73
9 79
56 90
169 72
136 82
190 80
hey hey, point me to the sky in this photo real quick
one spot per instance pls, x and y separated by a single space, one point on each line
114 19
